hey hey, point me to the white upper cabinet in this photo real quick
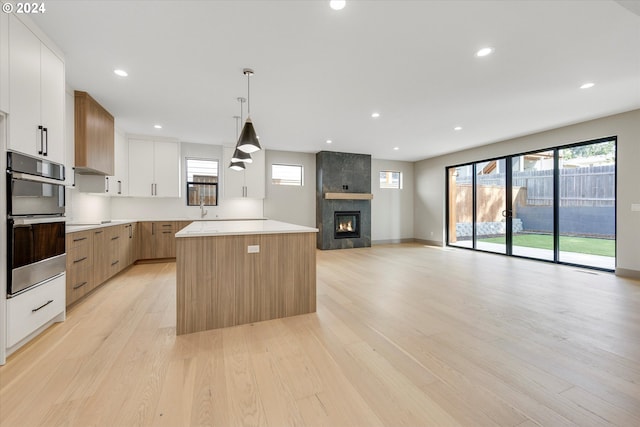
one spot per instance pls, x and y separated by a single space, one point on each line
4 62
249 183
154 168
36 95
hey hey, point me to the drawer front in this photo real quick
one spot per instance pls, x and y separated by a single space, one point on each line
32 309
79 257
79 283
79 238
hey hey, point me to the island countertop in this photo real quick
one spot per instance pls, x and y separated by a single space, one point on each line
237 228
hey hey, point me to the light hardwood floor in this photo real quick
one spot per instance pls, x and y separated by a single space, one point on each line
404 335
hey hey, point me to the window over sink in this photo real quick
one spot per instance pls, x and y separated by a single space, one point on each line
202 182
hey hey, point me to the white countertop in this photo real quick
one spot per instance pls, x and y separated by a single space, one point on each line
73 226
231 228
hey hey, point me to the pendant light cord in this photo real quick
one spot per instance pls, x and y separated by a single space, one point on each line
248 95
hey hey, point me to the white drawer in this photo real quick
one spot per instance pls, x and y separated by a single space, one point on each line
32 309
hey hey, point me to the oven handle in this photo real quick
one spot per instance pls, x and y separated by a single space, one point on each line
31 221
35 178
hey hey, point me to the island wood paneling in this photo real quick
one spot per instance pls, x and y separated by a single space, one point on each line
220 284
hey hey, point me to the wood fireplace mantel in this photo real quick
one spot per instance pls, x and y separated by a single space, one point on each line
348 196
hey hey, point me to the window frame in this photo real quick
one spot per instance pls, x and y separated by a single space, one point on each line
301 167
400 180
216 184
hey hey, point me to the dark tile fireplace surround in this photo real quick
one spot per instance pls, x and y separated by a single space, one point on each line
343 222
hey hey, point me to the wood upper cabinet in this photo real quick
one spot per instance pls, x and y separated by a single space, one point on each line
94 136
36 95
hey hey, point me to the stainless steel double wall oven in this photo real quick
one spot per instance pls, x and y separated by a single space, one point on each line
36 222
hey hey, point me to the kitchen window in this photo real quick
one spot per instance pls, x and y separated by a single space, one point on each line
202 182
391 179
286 174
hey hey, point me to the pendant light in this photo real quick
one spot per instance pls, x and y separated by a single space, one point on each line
237 166
238 155
248 141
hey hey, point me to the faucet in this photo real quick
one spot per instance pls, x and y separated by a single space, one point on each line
203 212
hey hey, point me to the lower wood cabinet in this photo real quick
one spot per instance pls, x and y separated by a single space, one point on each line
79 265
157 238
94 256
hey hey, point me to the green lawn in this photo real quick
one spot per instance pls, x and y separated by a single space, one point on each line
581 245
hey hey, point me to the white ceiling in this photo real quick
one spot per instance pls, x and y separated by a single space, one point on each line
320 73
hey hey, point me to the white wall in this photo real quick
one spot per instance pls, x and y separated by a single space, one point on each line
392 209
295 205
429 220
170 208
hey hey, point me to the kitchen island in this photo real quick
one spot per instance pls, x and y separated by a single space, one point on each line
237 272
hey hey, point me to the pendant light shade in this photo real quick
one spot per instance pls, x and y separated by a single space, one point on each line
248 142
241 156
237 166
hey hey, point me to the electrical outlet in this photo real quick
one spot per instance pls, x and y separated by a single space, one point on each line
635 207
253 249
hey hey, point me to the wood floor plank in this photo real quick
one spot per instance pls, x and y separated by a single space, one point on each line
404 335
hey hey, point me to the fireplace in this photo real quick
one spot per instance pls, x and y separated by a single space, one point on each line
343 217
346 224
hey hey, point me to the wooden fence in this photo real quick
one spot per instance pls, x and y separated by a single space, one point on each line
588 186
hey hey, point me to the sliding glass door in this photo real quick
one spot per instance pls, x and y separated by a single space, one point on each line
554 205
460 207
587 213
532 205
491 206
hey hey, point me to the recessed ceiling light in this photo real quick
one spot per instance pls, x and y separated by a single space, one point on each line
121 73
484 51
329 141
337 4
157 126
396 148
457 128
587 85
375 115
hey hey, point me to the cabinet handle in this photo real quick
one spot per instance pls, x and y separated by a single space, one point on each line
114 263
42 306
115 238
167 225
166 232
97 232
80 239
46 141
41 150
119 187
79 285
106 189
79 260
155 189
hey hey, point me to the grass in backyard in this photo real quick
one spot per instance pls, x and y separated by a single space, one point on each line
581 245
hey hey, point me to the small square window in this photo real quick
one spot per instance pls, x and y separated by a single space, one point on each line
390 179
202 182
286 174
